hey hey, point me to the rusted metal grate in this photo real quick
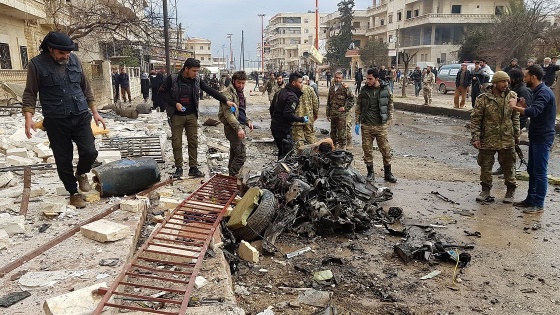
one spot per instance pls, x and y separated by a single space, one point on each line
160 277
134 147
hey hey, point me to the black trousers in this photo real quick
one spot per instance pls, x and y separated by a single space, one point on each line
61 133
284 142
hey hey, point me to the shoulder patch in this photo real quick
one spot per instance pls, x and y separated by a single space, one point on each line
293 106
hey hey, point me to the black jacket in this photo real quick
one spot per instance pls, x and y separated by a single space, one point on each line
283 110
466 80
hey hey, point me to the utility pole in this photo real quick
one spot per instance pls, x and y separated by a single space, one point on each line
262 43
317 24
242 61
224 55
231 65
166 37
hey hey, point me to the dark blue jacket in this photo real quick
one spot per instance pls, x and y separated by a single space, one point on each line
124 80
543 115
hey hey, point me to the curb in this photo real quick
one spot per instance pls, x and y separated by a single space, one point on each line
434 110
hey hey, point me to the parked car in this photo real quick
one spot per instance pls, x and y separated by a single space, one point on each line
445 80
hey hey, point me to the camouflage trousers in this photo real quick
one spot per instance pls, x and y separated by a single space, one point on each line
303 134
378 133
237 155
339 132
427 91
349 125
189 123
506 159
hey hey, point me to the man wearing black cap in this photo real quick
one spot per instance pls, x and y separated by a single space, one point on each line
181 92
65 95
512 65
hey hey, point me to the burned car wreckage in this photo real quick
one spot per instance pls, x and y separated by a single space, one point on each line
317 192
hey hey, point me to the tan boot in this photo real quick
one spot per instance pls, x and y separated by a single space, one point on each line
77 200
509 195
484 194
83 182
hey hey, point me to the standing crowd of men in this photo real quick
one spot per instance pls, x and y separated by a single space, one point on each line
68 106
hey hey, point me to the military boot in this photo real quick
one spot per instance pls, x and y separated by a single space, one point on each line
370 174
178 172
77 200
388 175
83 182
509 195
484 194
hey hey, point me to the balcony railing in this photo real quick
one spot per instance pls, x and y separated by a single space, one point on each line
449 18
7 75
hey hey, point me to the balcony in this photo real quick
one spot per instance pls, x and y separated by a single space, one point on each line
23 9
360 31
378 9
448 18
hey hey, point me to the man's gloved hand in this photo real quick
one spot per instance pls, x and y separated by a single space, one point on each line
357 129
183 108
305 119
232 109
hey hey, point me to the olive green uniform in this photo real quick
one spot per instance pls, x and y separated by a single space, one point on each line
496 126
339 97
374 108
428 81
237 152
303 133
273 89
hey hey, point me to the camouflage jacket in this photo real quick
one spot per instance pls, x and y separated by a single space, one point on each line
493 122
308 104
342 97
275 88
225 115
428 80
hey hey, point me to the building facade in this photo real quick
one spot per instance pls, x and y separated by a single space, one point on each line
201 49
287 37
432 28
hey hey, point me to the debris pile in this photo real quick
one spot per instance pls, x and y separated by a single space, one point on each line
319 193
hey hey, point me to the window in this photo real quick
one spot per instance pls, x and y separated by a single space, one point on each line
23 55
390 18
201 47
201 58
499 10
356 25
306 21
416 12
408 14
382 22
5 58
456 9
399 16
306 31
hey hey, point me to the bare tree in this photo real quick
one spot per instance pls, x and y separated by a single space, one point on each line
406 59
374 52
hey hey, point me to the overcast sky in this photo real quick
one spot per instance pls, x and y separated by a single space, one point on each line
214 19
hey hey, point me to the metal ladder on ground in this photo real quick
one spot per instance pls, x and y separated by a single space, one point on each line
160 277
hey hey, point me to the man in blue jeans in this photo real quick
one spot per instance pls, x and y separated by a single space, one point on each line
541 135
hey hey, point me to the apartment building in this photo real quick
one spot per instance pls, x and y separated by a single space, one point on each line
201 49
287 37
432 28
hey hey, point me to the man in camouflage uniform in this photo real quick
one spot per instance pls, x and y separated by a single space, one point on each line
269 83
495 129
428 81
374 114
235 119
339 102
303 133
276 86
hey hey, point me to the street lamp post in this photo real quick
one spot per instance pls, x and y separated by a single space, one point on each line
262 43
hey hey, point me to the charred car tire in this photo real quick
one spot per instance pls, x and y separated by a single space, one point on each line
259 219
442 88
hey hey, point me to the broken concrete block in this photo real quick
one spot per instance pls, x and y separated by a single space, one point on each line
12 224
133 205
168 203
36 191
42 151
6 178
19 161
91 196
54 208
5 241
244 208
199 282
6 203
165 192
108 156
248 252
82 301
21 152
50 160
105 231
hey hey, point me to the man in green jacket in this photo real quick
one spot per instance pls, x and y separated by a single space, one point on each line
374 114
495 129
235 119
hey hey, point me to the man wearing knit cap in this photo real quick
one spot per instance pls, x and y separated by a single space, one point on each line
495 129
65 95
